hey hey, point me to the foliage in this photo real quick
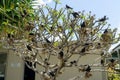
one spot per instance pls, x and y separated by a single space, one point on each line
113 75
113 69
14 16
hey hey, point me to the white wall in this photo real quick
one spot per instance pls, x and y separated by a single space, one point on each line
14 68
72 72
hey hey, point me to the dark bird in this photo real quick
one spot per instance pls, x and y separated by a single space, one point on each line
102 54
73 62
47 40
52 74
83 25
75 14
102 62
106 30
31 34
61 54
88 74
68 7
10 35
88 69
47 63
29 47
83 50
42 26
25 12
103 19
51 29
86 44
112 60
98 45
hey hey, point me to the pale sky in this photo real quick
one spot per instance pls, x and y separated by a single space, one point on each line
110 8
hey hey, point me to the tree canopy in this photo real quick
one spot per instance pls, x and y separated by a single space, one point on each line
60 32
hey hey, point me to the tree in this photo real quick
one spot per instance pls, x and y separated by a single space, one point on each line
37 35
14 16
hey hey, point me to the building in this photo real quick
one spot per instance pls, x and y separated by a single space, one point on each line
12 68
115 55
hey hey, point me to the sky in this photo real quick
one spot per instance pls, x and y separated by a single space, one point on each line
110 8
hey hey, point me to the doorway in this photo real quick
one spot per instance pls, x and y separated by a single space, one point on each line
29 74
3 62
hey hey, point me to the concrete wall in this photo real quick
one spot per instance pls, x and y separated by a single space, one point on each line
69 73
15 68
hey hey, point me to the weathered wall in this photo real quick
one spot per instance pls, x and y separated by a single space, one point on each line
72 72
15 68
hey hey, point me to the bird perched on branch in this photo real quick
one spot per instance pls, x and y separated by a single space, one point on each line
106 30
112 64
88 72
84 30
68 7
75 14
112 60
83 50
98 45
84 68
88 68
10 35
102 19
60 54
31 34
10 38
102 54
83 25
29 47
52 73
105 34
73 62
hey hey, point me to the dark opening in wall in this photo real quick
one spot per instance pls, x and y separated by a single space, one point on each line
3 62
29 74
